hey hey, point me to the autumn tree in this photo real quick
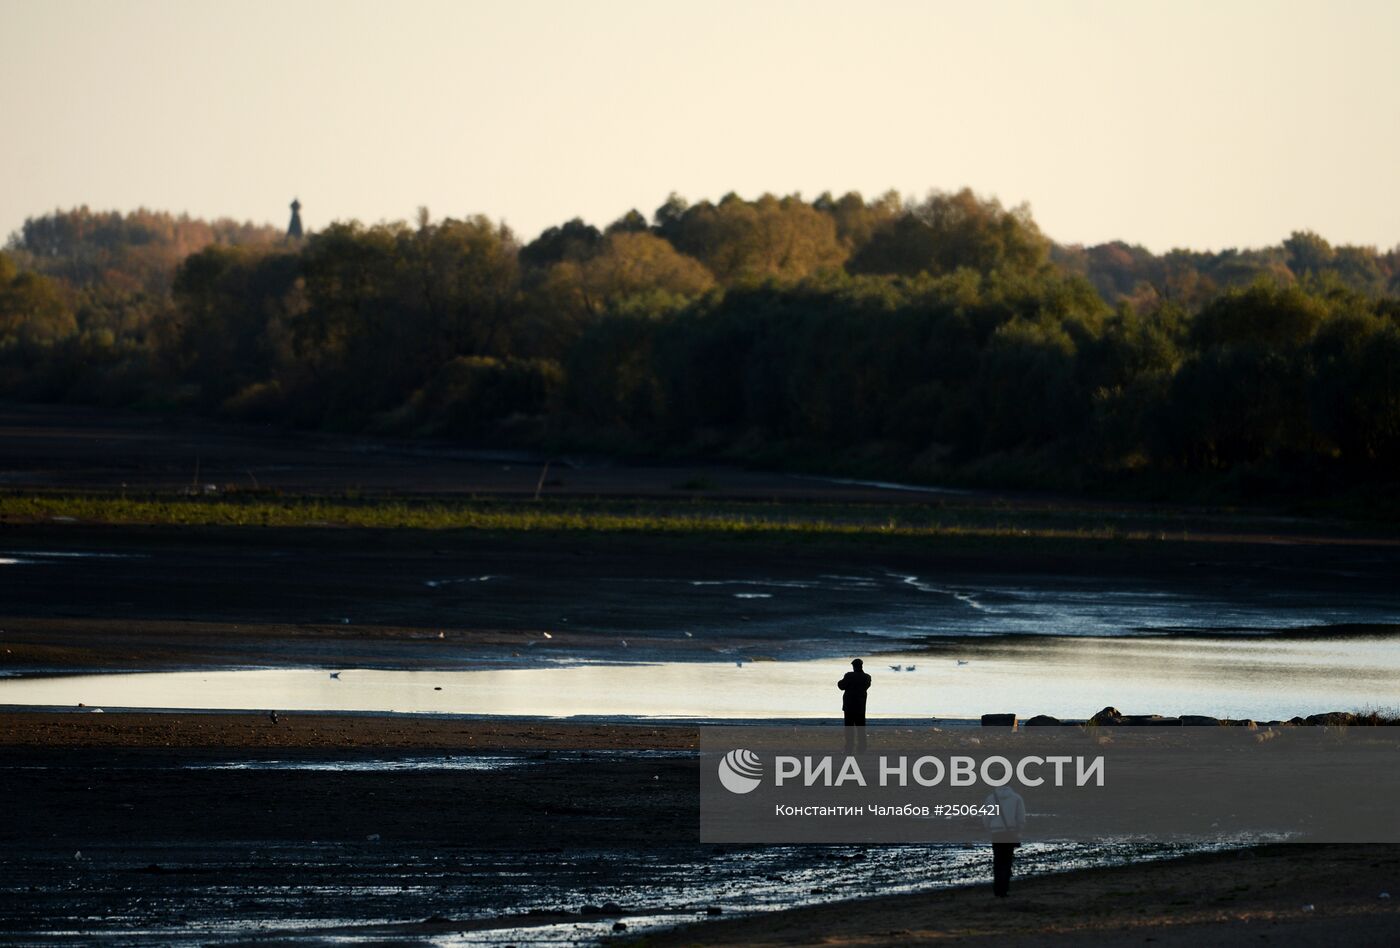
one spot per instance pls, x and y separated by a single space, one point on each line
948 231
740 241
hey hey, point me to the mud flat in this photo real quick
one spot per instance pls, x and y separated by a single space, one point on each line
82 596
52 732
1280 895
227 829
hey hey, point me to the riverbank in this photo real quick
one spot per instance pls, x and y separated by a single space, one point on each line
1286 895
400 829
50 731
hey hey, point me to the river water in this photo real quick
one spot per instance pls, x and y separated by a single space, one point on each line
1072 677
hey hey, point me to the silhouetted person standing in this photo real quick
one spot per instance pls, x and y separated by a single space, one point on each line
854 684
1005 827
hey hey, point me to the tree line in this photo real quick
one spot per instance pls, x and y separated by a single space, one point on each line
940 338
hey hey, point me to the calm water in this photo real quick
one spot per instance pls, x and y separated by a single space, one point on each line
1068 677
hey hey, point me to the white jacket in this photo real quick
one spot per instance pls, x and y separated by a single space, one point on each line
1011 819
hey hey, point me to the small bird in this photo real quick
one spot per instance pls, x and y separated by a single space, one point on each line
624 642
335 674
895 668
963 662
272 716
908 668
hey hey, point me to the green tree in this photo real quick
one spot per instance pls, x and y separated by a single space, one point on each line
33 313
948 231
746 241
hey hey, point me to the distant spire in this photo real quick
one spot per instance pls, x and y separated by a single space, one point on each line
294 228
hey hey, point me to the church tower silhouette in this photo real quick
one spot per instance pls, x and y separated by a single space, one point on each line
294 228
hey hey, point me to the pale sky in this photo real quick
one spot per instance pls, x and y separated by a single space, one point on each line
1178 123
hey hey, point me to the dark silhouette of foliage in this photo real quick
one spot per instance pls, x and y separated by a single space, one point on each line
943 338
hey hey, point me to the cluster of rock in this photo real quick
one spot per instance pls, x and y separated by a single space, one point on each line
1112 716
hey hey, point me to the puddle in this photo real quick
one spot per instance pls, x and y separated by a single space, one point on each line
1257 677
439 762
17 557
885 485
438 583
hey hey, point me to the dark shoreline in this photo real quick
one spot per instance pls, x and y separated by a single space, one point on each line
118 820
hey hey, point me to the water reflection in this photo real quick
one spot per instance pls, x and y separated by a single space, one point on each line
1067 677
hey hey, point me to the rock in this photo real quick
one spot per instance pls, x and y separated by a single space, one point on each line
1330 718
1199 720
1042 720
1241 722
714 910
619 926
999 720
612 908
591 910
1109 715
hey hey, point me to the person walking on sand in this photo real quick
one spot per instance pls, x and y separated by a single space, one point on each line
1005 823
854 684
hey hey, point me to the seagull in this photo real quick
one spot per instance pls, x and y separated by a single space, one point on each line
689 635
895 668
963 662
624 642
548 636
335 674
442 635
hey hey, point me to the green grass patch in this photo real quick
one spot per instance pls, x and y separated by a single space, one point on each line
735 519
969 527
